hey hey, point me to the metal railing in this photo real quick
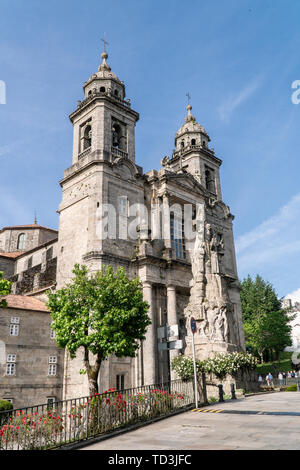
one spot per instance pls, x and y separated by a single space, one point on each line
275 382
51 426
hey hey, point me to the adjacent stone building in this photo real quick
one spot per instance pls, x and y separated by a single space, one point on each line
31 364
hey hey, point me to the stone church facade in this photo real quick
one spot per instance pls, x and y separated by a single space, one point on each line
182 247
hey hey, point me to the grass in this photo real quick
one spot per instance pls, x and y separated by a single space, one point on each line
283 366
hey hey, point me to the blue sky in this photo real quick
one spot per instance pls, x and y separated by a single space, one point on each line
237 59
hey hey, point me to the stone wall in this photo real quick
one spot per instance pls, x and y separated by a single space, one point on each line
7 266
31 384
35 278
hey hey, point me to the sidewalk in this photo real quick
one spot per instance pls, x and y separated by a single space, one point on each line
248 423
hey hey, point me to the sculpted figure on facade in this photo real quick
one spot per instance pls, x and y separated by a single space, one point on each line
209 301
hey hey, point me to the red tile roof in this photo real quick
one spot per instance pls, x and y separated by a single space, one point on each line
25 303
13 254
36 226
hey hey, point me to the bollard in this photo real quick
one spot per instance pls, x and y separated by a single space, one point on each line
221 393
233 397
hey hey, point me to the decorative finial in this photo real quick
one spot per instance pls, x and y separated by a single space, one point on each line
189 108
104 55
35 218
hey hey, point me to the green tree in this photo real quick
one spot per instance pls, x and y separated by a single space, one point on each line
276 331
5 289
102 313
266 324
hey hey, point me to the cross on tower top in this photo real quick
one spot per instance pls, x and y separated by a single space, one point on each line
188 97
105 42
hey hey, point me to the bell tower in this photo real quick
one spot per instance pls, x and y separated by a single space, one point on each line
104 123
103 145
193 155
103 172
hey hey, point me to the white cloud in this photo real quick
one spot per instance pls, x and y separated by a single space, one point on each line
274 245
235 100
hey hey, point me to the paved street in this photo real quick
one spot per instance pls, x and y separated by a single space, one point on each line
273 422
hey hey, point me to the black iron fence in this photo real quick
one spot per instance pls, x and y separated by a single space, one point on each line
69 421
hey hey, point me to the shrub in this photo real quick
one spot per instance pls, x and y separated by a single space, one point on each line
5 405
291 388
220 365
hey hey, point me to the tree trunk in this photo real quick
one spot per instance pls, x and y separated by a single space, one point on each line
278 356
92 372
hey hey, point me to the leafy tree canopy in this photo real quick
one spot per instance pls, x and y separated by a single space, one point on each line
266 324
103 313
5 289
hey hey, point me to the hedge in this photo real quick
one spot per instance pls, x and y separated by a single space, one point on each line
5 405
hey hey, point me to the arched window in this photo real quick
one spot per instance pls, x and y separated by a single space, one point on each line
193 142
89 93
204 143
21 241
102 89
87 137
116 93
182 144
210 181
116 136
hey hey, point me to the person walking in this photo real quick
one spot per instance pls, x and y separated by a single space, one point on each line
260 380
268 380
284 378
271 379
280 377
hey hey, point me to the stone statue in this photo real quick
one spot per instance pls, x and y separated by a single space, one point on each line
209 302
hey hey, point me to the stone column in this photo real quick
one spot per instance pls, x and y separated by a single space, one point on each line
166 229
149 345
172 320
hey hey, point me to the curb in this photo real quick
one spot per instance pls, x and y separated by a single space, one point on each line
262 393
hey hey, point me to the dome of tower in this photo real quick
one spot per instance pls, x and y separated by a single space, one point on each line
190 125
104 80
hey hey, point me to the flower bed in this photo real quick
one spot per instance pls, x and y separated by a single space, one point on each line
42 427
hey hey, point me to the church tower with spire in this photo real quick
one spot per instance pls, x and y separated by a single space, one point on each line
178 281
103 172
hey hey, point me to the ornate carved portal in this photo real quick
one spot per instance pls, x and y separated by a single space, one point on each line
209 301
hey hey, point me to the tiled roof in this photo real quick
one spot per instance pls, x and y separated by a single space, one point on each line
13 254
25 303
34 226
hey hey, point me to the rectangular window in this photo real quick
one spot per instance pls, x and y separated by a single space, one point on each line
29 262
15 320
123 217
49 254
123 205
51 401
11 358
14 330
52 359
52 369
10 368
120 381
52 334
177 236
